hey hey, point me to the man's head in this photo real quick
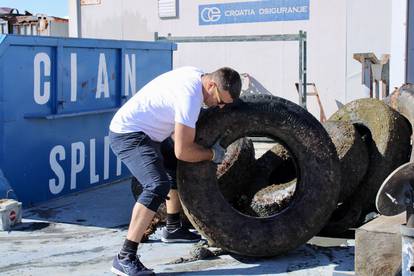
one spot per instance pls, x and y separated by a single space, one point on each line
221 87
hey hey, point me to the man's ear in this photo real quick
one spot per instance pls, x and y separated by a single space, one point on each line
211 84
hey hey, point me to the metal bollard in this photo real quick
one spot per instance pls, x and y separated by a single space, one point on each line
395 196
10 213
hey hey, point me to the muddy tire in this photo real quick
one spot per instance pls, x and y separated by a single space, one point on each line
318 181
272 199
347 215
273 183
388 142
354 159
234 173
402 100
275 166
352 153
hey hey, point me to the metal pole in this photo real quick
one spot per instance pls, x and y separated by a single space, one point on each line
301 38
304 70
301 102
232 38
75 14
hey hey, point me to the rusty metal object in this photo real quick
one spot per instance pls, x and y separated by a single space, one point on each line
375 71
352 153
317 164
397 192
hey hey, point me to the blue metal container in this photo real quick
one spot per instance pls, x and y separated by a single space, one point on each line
57 97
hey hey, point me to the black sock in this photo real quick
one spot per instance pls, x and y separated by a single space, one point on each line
128 249
173 221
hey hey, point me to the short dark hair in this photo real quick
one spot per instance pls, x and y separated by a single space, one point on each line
229 80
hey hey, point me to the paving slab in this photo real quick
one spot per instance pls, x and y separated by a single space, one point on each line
79 235
378 246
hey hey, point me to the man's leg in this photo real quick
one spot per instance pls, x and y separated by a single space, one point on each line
173 204
140 219
126 262
174 230
143 158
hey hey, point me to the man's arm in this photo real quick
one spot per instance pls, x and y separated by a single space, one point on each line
185 148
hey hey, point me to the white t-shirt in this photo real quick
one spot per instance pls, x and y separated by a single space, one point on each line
175 96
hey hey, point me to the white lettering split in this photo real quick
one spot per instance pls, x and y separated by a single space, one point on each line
130 75
102 85
57 152
77 164
41 97
94 178
73 77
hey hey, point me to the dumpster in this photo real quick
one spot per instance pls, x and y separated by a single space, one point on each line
57 97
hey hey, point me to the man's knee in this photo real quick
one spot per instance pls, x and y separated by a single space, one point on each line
152 197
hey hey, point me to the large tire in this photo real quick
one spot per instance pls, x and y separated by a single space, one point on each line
402 100
388 147
275 166
352 153
234 173
273 198
354 159
273 183
318 180
347 215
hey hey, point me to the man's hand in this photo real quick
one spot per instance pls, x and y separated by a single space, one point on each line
218 152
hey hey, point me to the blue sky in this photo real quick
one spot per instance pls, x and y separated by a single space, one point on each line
57 8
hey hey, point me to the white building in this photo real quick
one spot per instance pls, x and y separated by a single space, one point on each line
13 22
335 31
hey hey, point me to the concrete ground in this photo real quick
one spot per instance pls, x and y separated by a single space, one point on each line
79 235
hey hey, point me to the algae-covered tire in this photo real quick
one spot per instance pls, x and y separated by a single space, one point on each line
352 153
402 100
273 198
275 166
354 159
317 185
347 215
388 145
273 182
234 173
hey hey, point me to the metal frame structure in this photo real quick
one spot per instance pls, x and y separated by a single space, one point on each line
300 37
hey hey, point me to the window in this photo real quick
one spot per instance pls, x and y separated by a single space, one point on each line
168 8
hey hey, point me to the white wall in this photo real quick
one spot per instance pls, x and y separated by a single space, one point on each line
368 30
398 43
336 29
74 18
